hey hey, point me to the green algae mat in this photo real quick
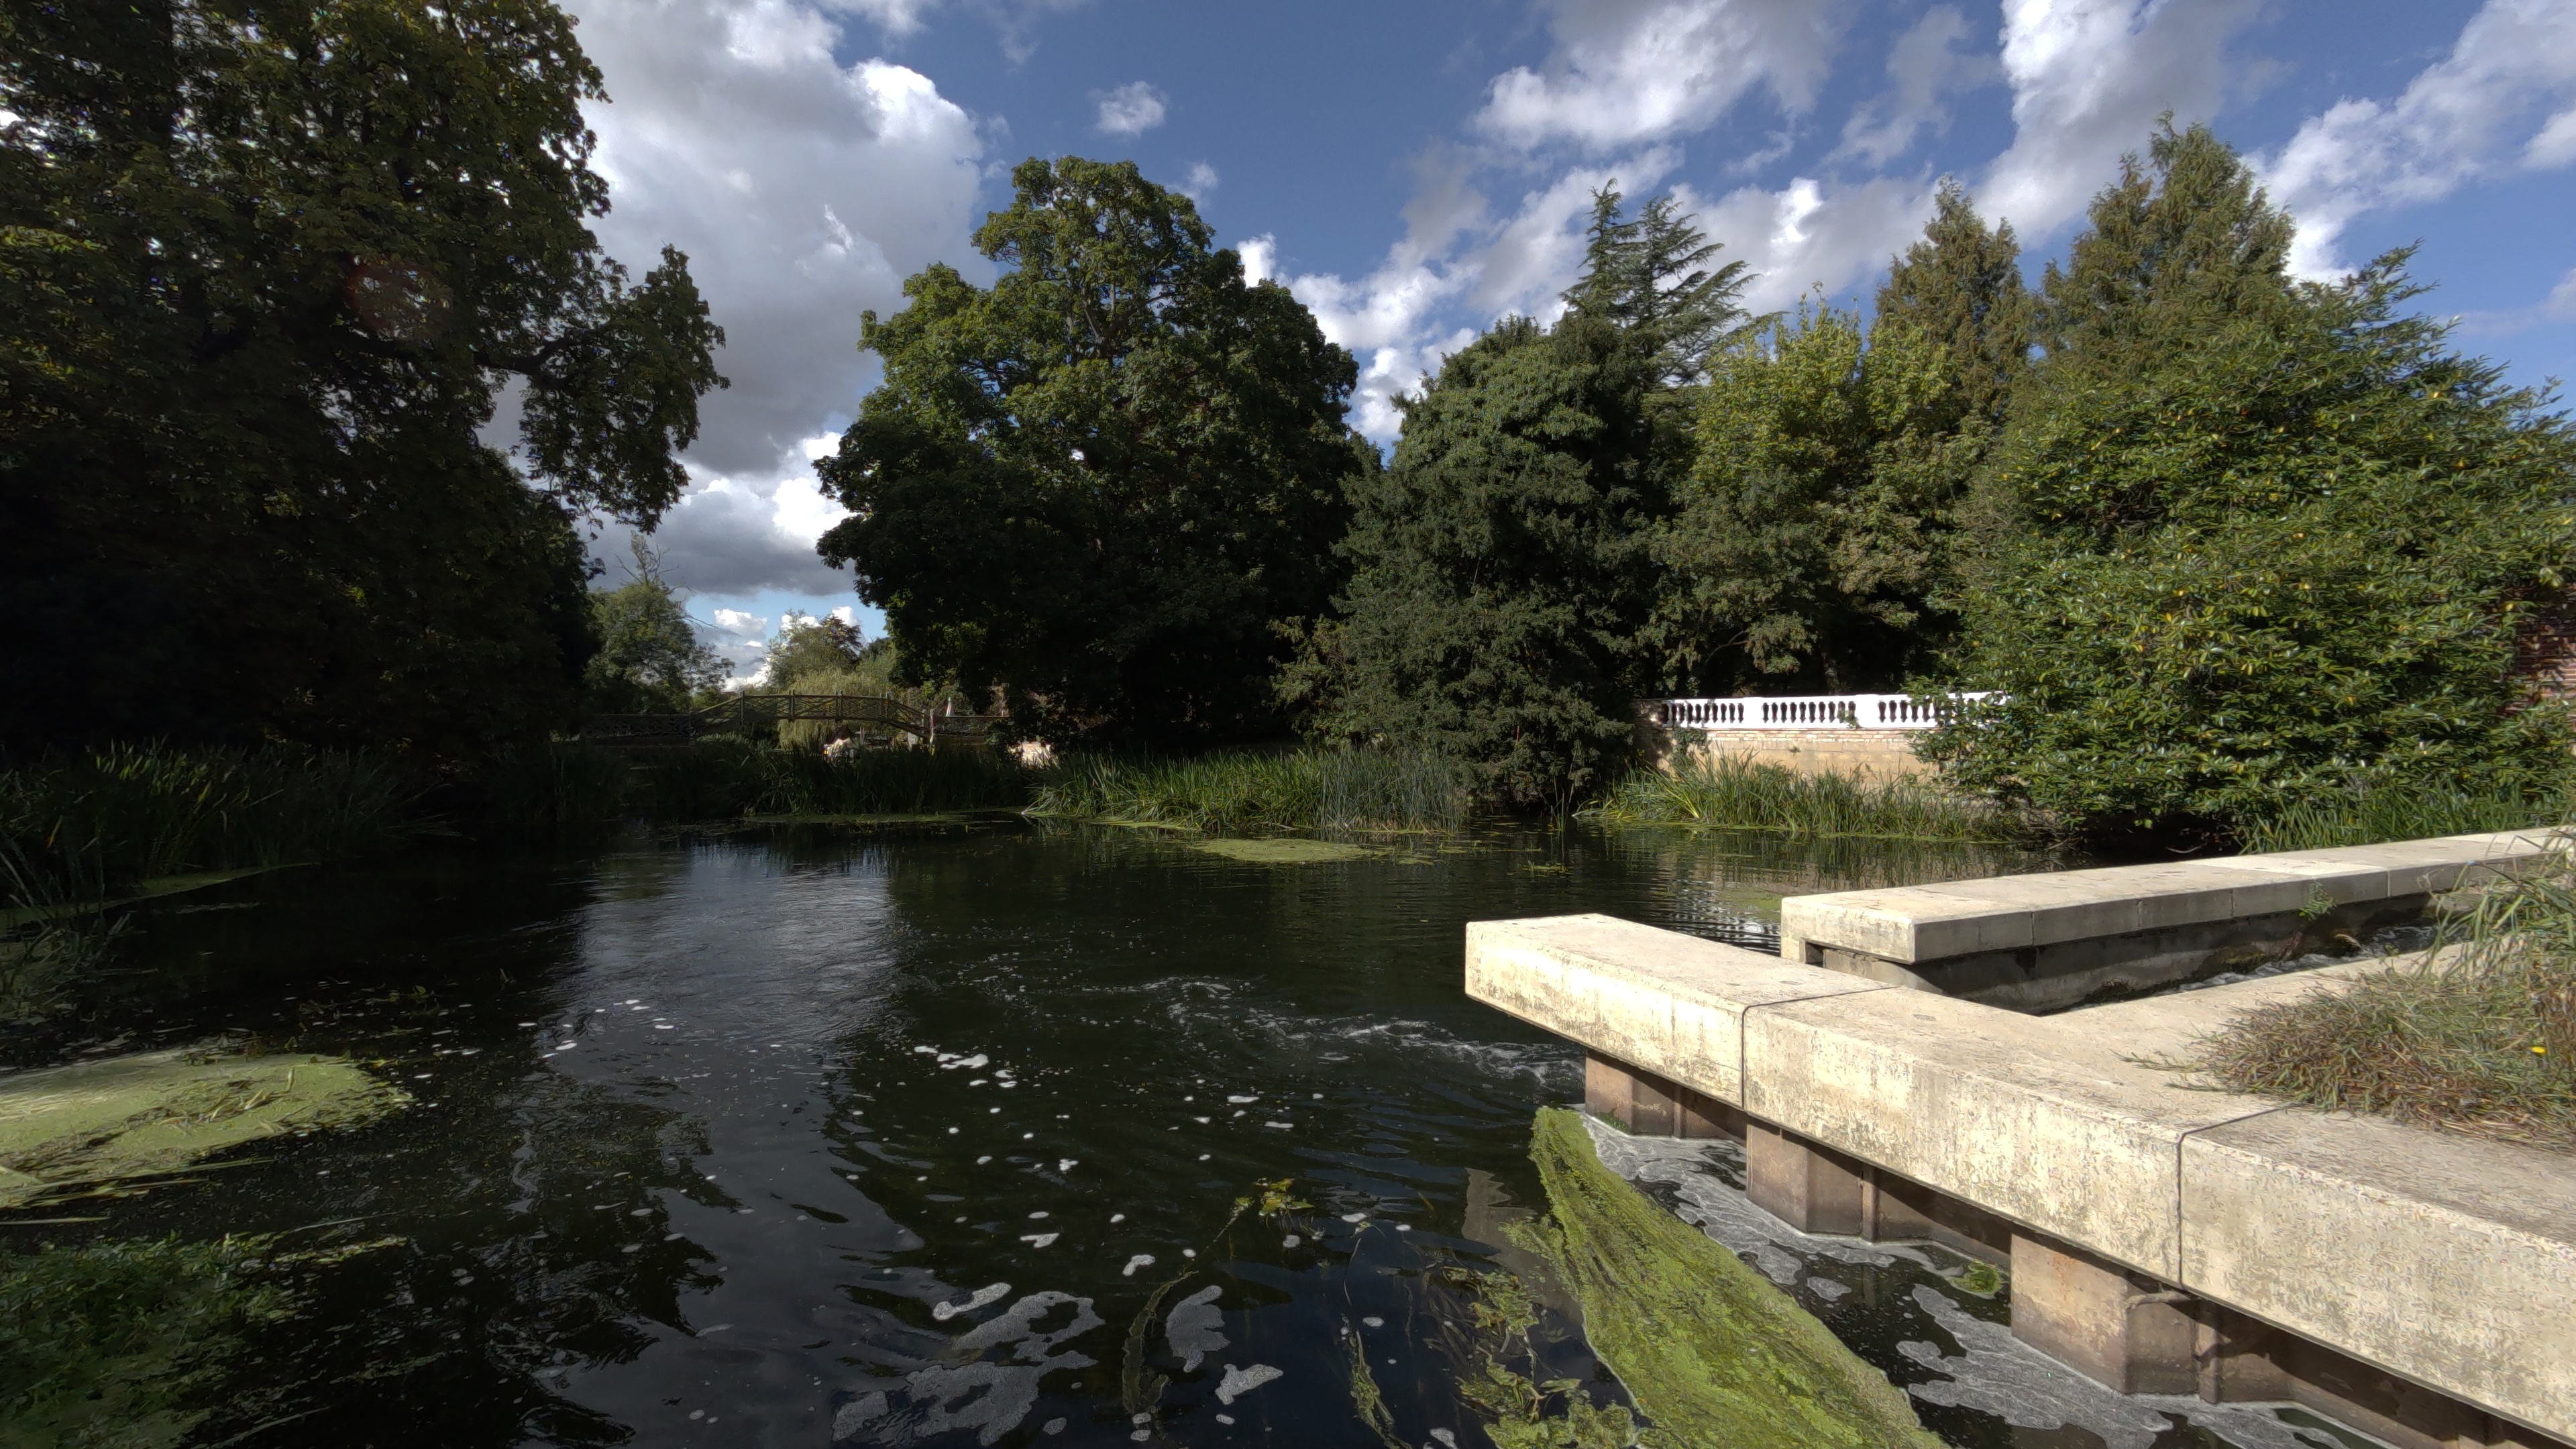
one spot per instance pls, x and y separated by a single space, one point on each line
81 1130
1287 850
1712 1353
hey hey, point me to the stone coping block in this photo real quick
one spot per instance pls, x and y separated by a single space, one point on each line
1964 917
2440 1258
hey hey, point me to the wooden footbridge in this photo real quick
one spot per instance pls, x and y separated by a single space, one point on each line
870 719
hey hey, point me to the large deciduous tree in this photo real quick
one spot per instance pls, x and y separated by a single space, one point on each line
264 268
2249 542
1096 486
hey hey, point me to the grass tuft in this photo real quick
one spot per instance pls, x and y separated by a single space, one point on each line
1313 789
2368 816
1724 792
2480 1038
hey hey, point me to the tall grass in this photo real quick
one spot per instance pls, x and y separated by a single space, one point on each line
2369 815
2480 1039
1725 792
1239 789
722 778
87 826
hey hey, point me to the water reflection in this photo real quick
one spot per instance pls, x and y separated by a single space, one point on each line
961 1134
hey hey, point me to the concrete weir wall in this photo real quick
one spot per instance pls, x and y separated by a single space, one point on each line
2045 942
2416 1285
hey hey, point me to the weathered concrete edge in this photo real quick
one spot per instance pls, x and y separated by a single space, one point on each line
2044 1124
1956 918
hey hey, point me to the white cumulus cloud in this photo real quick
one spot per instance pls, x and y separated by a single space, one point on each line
2503 100
2089 78
1622 72
1131 110
804 191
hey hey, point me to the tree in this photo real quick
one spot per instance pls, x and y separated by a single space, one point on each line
812 648
1648 276
263 270
1096 486
1961 287
1807 539
2250 541
650 659
1499 571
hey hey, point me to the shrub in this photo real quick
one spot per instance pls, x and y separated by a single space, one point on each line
1309 789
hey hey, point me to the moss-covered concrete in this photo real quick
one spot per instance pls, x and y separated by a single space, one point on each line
70 1131
1712 1353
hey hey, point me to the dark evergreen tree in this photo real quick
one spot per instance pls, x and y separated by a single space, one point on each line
1500 572
1096 486
1961 287
1649 276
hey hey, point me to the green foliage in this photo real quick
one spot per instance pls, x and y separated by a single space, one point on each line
1097 484
553 796
125 1345
2411 811
2481 1039
92 825
2248 543
818 650
263 271
1723 792
1960 287
649 659
1352 789
1500 576
1712 1352
1648 276
1809 533
722 779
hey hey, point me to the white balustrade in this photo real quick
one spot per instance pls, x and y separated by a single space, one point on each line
1807 711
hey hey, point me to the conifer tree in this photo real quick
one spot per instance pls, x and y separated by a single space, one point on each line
1961 287
1650 277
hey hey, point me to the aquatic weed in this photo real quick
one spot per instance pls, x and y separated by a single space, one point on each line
1724 792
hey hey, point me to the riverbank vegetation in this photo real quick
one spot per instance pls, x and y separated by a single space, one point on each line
1722 792
1309 789
2480 1039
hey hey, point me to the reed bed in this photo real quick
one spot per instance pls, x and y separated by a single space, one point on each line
2480 1038
89 826
1721 792
1313 789
2370 815
724 778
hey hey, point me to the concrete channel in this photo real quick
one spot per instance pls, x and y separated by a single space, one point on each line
2162 1238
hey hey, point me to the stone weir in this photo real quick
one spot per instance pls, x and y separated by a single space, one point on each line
2162 1238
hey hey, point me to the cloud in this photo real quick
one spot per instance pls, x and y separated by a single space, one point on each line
2089 78
1131 110
2481 111
1201 180
1922 67
1622 72
1015 20
803 191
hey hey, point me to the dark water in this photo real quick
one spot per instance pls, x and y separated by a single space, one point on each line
924 1136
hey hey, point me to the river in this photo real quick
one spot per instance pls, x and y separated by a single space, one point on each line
805 1136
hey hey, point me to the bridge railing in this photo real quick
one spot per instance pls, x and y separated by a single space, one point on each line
753 712
1807 711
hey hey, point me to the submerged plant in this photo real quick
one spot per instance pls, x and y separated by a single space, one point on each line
1711 1351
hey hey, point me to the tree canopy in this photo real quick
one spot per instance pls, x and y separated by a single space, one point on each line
2249 541
264 270
1096 486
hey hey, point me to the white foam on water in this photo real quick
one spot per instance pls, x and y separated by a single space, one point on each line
990 1293
1241 1381
1141 1260
1039 1240
1194 1328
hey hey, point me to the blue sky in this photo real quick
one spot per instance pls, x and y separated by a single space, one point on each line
1415 169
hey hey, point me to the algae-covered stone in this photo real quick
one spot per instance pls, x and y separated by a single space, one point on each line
1709 1349
69 1130
1289 850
